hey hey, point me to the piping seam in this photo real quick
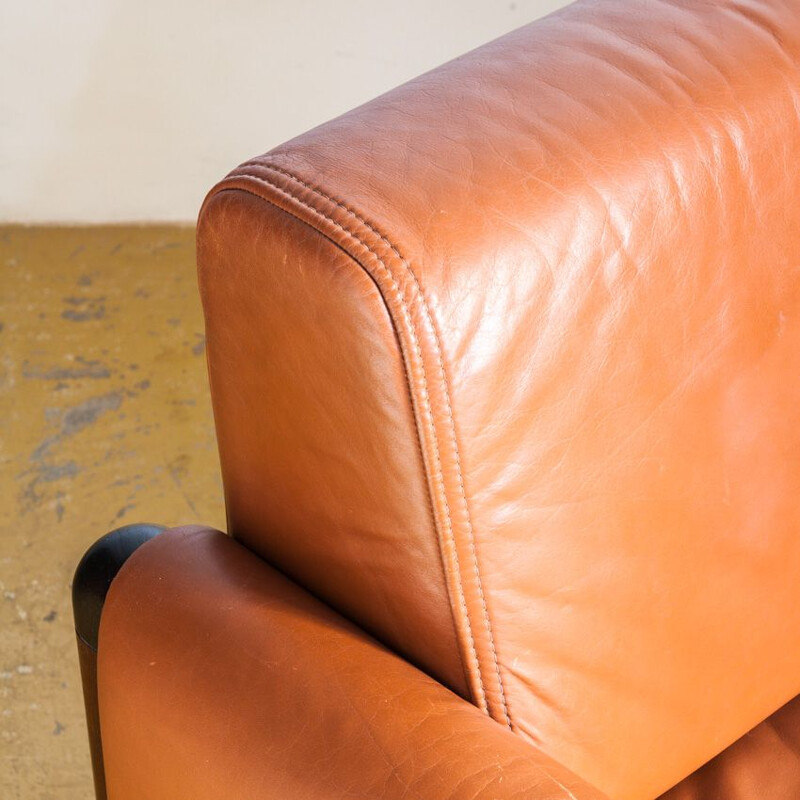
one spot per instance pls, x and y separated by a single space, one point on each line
445 385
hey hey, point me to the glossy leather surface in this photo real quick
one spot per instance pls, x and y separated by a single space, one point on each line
584 237
322 478
219 678
762 765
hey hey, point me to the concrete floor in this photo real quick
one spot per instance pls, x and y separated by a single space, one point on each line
105 419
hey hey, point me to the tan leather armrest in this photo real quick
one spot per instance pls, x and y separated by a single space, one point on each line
218 678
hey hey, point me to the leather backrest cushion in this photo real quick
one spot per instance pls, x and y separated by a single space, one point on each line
506 365
322 467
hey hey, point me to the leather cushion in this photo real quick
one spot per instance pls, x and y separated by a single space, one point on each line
585 237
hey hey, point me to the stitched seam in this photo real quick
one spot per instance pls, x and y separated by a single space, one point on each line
445 384
406 372
407 315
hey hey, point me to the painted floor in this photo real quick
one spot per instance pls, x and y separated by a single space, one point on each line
105 419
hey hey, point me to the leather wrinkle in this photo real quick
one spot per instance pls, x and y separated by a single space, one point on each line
381 261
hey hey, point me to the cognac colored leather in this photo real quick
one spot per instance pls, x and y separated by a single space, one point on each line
763 765
219 678
505 368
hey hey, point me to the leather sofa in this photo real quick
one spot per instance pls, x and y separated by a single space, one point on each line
506 375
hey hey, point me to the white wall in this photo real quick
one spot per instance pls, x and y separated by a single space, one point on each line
128 110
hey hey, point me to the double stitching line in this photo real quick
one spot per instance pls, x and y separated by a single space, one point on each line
443 376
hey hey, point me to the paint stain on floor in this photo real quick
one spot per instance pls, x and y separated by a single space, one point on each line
105 419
